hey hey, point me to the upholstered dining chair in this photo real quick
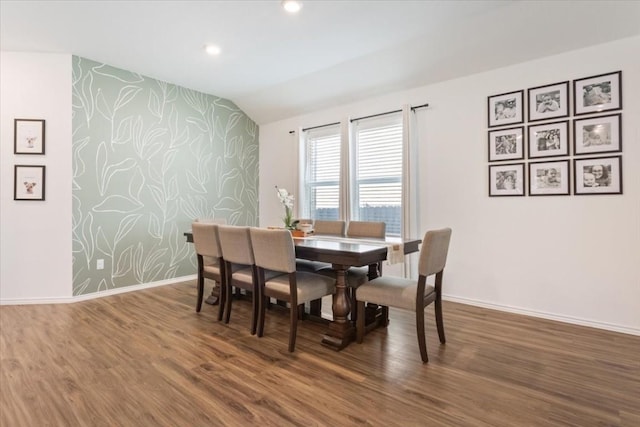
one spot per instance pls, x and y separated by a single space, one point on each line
214 297
237 253
363 229
356 276
321 228
410 294
273 250
328 228
210 262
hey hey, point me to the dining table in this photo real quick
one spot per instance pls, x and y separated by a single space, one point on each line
343 253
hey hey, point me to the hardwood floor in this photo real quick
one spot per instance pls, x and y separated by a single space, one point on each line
148 359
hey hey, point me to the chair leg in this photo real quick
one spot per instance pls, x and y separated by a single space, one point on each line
315 308
200 292
353 313
293 327
261 314
422 341
385 315
222 301
254 312
227 303
360 322
439 321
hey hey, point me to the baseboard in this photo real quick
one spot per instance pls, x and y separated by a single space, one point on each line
545 315
101 294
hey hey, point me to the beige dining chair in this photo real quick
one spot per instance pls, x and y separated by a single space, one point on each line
210 261
237 253
410 294
213 299
364 229
328 227
273 250
356 276
321 228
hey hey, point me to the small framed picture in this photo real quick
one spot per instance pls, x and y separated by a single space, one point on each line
28 182
548 102
506 144
549 178
506 108
549 140
598 93
506 180
28 136
601 175
601 134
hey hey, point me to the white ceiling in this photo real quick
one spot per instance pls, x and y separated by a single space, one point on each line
274 65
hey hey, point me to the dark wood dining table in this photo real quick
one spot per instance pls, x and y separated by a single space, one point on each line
343 253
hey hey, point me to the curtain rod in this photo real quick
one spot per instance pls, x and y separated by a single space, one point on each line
321 126
389 112
361 118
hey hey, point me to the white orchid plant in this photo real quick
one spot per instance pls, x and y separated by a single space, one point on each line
287 201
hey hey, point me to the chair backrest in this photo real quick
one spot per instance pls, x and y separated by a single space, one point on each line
372 229
433 254
330 228
205 239
273 249
236 246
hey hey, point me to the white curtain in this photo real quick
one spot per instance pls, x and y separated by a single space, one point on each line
345 169
410 201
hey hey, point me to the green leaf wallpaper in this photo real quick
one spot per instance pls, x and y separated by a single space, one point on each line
148 158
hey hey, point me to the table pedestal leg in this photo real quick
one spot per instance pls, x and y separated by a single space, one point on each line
341 332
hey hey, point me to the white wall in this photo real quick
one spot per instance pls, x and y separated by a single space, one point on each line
571 258
35 244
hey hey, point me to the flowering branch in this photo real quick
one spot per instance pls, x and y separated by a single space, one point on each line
287 201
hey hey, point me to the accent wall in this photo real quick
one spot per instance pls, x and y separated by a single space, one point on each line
148 158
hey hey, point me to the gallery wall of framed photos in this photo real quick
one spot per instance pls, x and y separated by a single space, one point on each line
552 152
28 179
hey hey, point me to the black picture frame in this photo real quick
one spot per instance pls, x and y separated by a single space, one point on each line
505 109
608 180
548 102
29 182
549 178
28 136
506 180
599 134
548 140
506 144
597 94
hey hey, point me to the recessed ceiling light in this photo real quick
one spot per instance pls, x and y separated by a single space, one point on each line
212 49
292 6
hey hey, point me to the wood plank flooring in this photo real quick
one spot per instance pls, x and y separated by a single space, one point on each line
148 359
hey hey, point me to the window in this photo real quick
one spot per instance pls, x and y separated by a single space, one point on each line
377 171
322 173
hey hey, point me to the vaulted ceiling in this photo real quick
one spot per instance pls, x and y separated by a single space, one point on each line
274 65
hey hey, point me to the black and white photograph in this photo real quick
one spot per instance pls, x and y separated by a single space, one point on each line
601 134
549 178
28 182
598 93
506 108
506 180
28 136
506 144
548 140
549 101
601 175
